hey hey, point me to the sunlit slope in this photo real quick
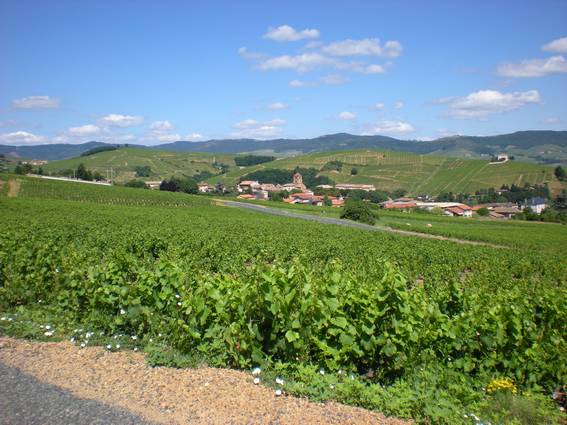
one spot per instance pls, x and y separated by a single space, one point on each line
163 164
416 173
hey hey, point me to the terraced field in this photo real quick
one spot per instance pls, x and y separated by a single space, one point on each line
419 174
416 173
163 164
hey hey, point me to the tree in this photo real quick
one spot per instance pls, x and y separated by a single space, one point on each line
143 171
483 212
327 202
559 173
135 183
358 211
82 173
19 169
353 171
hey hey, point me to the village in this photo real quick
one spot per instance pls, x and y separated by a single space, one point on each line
296 192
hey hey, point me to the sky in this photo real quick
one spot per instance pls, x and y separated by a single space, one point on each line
151 72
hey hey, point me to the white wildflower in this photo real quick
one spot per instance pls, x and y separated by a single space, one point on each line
2 318
179 304
47 327
83 345
134 337
278 392
135 348
109 347
48 333
279 381
322 371
159 335
256 381
117 346
122 311
256 371
177 296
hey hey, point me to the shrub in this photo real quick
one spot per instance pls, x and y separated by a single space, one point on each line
359 211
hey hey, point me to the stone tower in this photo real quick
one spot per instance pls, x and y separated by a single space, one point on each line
297 179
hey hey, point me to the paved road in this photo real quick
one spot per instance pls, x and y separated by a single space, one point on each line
26 401
348 223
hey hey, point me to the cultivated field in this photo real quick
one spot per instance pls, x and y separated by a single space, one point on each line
412 327
419 174
163 164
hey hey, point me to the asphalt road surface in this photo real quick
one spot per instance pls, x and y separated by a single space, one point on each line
26 401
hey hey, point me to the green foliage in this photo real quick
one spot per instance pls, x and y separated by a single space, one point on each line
186 185
333 166
247 160
135 183
358 211
143 171
483 212
421 325
99 150
559 173
353 171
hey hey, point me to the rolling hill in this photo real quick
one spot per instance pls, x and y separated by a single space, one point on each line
163 164
547 147
419 174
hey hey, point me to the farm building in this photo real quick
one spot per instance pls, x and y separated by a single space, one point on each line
458 211
352 186
205 188
153 184
537 204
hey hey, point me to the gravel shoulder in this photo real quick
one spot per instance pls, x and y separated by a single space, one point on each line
163 395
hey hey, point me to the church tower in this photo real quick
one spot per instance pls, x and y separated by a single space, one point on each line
297 179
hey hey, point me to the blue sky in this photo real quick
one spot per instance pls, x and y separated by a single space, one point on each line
152 72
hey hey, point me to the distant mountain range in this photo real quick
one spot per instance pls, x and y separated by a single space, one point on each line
548 147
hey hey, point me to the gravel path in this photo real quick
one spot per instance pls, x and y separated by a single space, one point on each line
348 223
26 401
161 395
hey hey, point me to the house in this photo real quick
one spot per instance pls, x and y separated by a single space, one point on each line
35 162
153 184
502 157
506 212
308 198
461 210
268 187
536 204
204 188
246 196
399 206
352 186
247 185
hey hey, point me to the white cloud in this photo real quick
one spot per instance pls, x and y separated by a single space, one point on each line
534 67
297 83
276 121
399 104
300 63
276 106
36 102
117 120
334 80
158 126
482 103
553 120
254 129
347 115
175 137
287 33
364 47
558 46
243 52
21 138
8 123
373 69
390 127
377 106
84 130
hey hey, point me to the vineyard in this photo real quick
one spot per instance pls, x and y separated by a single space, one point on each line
412 327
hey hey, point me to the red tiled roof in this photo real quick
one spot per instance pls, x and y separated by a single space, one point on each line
400 205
